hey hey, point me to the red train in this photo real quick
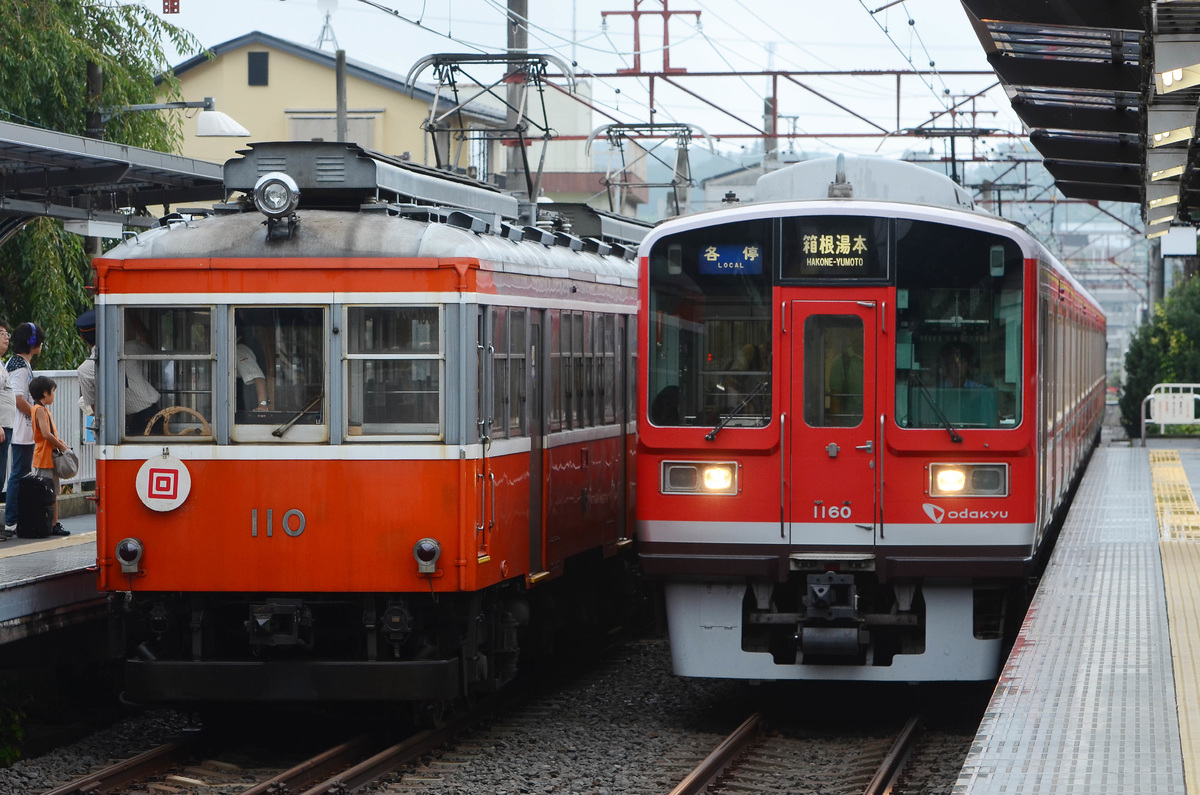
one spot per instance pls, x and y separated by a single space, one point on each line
392 440
863 405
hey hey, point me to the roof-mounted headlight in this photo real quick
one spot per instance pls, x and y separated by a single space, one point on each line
276 194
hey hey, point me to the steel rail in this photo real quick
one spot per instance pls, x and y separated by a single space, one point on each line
320 766
893 763
714 765
419 744
138 767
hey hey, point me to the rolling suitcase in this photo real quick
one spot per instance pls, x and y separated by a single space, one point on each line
35 507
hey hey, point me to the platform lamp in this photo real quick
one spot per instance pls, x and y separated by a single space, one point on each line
210 122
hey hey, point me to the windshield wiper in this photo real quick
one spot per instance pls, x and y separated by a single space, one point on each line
949 426
282 429
711 435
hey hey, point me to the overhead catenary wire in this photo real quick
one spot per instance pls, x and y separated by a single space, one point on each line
940 97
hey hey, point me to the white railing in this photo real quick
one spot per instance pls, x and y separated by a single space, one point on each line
1170 404
68 419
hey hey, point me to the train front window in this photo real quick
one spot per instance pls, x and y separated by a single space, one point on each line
958 338
166 366
710 326
278 374
394 366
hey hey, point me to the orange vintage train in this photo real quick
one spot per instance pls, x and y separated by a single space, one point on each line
391 435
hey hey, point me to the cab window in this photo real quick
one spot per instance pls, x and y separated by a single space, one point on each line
166 371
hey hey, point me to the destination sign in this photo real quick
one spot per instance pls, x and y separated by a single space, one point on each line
731 259
835 248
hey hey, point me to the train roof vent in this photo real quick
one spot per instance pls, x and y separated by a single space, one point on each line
469 222
872 178
514 233
596 246
624 251
329 173
539 236
570 241
419 212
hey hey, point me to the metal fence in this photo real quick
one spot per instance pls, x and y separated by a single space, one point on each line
68 419
1170 404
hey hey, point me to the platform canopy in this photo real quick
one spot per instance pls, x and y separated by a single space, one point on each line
1109 91
97 187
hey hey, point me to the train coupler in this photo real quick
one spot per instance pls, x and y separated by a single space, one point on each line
280 622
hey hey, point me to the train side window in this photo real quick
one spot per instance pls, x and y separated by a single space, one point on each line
556 371
166 365
394 368
588 369
833 371
578 410
499 351
278 374
516 372
609 378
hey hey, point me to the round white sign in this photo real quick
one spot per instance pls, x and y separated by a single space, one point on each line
163 483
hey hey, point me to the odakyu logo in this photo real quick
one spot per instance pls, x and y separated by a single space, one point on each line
938 513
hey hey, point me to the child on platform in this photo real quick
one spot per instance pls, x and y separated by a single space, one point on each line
45 438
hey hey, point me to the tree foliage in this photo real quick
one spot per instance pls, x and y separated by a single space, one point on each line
45 48
1166 349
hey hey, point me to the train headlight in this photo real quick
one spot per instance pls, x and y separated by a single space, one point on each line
276 194
718 478
950 480
427 551
968 480
129 555
699 477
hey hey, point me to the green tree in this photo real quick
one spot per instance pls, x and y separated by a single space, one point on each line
45 48
1162 350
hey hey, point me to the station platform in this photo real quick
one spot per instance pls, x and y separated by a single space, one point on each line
49 583
1101 692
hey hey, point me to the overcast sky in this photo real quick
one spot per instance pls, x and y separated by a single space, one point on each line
743 35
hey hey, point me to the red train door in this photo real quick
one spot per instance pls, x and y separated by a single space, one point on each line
832 445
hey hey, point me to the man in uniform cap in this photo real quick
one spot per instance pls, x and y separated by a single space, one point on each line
85 324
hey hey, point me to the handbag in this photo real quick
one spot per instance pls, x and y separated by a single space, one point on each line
66 463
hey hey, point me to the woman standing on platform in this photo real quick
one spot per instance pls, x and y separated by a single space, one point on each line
8 411
27 342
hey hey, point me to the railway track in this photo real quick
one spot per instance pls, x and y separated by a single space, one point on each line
752 759
625 724
192 764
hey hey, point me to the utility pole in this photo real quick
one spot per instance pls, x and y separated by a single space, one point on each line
518 45
95 85
340 72
94 121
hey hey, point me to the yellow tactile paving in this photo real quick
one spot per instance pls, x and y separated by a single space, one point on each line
1178 516
14 547
1179 546
1181 576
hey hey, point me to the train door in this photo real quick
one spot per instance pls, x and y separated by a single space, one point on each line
485 519
833 449
536 440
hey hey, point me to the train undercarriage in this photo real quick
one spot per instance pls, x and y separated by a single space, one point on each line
428 649
832 625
